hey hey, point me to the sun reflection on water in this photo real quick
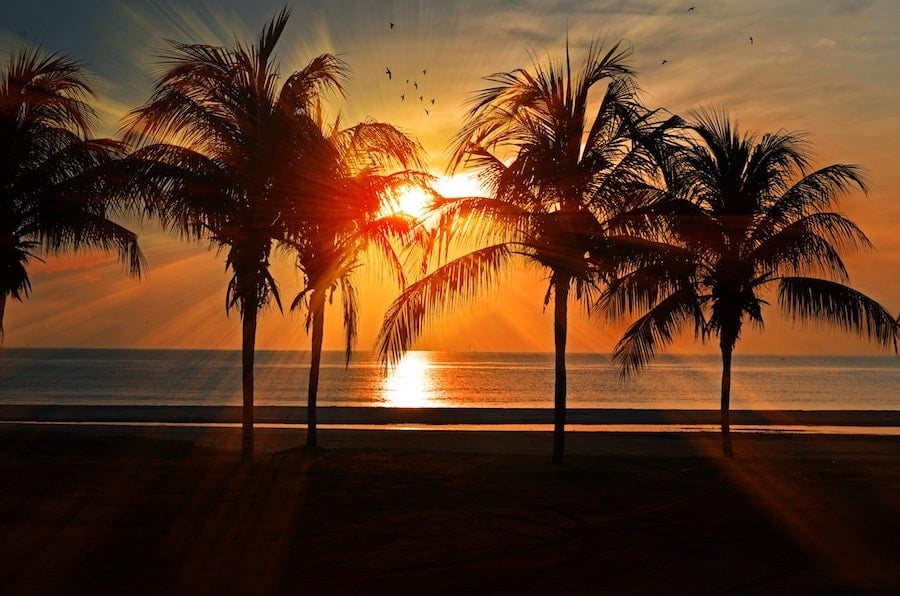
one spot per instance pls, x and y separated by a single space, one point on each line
410 384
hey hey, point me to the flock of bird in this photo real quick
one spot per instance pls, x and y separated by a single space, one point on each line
421 96
693 9
415 86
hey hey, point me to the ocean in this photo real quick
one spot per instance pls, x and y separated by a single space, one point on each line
443 379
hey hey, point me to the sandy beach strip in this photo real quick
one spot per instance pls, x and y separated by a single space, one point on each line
274 439
147 509
349 415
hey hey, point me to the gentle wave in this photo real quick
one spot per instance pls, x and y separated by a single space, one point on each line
443 379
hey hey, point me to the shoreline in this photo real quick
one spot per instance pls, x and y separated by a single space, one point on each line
273 440
391 415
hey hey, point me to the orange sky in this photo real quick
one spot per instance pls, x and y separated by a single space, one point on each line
827 67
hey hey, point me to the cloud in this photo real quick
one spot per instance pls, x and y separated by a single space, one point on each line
826 43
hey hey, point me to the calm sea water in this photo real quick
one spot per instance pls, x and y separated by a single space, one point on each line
436 379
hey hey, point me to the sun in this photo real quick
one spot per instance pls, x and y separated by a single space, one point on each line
459 185
413 201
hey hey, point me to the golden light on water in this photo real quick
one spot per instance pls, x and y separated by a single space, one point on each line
410 384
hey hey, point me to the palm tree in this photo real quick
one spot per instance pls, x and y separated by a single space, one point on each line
220 145
51 198
345 209
747 215
561 178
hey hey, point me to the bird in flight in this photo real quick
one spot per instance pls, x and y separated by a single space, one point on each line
402 97
415 84
664 61
432 101
388 72
392 25
421 98
424 70
427 113
691 9
751 41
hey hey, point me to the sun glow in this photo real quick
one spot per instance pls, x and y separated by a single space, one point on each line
413 201
410 384
459 185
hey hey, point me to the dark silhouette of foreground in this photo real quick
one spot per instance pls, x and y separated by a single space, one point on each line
89 512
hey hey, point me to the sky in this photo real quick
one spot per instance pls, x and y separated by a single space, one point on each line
827 68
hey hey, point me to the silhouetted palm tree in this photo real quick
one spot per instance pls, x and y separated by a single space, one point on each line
746 215
562 180
343 211
51 200
227 169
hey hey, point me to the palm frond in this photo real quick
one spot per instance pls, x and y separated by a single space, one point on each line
47 90
383 235
461 222
350 308
15 281
301 90
269 36
772 163
817 191
817 300
53 177
657 328
380 146
602 63
812 243
614 112
89 230
453 284
181 187
651 270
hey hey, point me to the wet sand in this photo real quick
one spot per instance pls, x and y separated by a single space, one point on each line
98 509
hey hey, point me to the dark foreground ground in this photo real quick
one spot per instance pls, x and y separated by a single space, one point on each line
105 513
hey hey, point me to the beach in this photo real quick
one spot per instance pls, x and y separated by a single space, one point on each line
106 509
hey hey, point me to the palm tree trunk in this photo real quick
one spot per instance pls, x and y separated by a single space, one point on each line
248 353
2 312
318 329
560 328
725 412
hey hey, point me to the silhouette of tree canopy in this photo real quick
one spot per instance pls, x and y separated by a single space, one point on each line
564 184
220 146
52 199
341 212
744 215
